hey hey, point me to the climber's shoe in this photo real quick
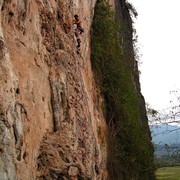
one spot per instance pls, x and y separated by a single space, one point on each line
79 44
78 48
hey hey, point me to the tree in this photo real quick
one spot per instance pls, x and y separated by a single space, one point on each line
169 117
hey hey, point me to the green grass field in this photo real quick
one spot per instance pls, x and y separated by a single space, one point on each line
168 173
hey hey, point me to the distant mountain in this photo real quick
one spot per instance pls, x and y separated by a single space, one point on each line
166 140
165 134
167 150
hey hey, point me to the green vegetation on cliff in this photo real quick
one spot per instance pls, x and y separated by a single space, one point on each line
130 149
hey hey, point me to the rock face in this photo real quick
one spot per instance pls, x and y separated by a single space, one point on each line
51 121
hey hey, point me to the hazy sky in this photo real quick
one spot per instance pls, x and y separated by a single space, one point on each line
158 28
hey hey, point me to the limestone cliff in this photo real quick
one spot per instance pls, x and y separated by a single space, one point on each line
130 151
52 124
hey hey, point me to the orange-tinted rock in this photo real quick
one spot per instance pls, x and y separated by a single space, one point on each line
48 104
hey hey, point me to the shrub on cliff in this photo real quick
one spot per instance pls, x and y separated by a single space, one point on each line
132 154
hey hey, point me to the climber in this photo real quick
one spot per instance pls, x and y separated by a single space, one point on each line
79 30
